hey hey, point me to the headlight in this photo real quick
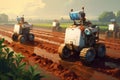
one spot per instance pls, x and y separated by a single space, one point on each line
87 31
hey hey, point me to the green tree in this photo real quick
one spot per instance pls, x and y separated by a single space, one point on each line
118 16
106 16
3 18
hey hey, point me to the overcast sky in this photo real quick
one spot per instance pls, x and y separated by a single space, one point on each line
51 9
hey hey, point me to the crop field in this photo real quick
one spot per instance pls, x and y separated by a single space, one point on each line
60 40
43 51
63 25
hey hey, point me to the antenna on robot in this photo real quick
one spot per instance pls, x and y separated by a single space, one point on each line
71 10
83 9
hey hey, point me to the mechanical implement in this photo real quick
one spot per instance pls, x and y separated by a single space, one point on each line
22 31
81 39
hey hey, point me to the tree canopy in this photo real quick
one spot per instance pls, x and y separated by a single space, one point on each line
118 16
3 18
106 16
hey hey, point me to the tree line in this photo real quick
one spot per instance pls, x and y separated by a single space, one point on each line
106 16
3 18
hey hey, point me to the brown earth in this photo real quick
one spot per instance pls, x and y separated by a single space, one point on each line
102 69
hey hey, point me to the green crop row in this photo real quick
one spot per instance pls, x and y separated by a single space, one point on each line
63 25
13 68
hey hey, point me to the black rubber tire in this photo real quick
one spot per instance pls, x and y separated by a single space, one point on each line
14 37
64 52
90 55
100 50
22 39
31 37
87 55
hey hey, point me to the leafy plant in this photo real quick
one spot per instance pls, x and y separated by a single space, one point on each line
12 67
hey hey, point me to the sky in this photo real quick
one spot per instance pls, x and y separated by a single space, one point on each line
55 9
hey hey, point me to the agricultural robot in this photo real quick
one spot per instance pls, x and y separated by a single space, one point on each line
81 39
56 26
113 30
22 31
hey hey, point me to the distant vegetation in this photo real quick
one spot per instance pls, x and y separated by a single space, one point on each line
103 20
106 16
63 25
103 27
3 18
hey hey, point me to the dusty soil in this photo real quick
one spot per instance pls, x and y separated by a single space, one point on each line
46 45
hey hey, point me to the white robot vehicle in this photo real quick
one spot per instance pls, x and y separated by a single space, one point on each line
22 31
113 29
56 26
82 40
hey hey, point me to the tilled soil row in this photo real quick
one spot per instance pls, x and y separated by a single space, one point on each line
56 68
113 44
49 47
55 39
38 31
110 44
53 36
56 34
111 40
52 48
107 65
49 65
